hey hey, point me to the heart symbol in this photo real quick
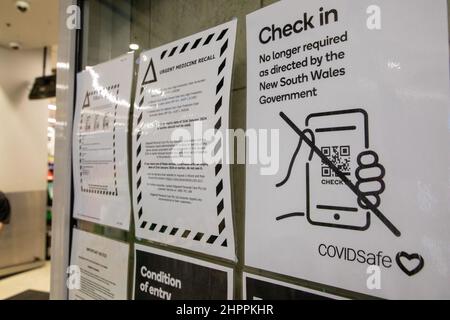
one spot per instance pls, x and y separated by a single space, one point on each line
410 257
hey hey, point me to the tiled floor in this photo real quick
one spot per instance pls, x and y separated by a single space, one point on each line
37 279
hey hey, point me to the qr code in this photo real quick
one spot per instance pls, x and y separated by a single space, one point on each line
340 157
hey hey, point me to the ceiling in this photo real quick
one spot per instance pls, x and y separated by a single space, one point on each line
36 28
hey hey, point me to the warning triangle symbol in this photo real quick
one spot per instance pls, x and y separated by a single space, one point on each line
86 102
150 74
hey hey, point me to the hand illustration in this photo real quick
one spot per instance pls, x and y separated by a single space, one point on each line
369 175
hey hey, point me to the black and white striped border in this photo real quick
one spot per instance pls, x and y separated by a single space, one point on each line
174 231
115 192
192 45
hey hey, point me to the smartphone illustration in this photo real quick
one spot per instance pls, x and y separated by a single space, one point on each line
340 136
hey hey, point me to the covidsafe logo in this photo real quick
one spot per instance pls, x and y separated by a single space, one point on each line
353 255
409 264
374 261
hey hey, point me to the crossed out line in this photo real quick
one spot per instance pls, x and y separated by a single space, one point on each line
342 176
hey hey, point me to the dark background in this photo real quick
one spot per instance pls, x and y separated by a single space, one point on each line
197 282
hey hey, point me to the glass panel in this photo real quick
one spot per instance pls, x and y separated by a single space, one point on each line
110 26
107 29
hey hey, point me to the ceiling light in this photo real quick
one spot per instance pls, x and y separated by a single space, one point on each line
134 46
14 45
22 6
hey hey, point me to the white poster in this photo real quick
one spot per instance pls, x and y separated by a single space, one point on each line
100 160
98 268
181 183
359 94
